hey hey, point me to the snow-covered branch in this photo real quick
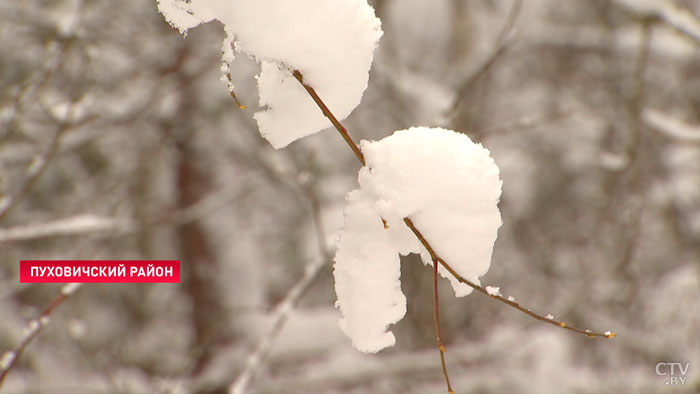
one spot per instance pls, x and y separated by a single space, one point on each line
455 276
285 308
34 171
9 358
76 225
671 127
680 19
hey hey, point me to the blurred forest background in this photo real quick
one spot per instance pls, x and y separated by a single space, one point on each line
118 141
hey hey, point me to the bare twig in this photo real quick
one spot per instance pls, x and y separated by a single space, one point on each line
501 46
435 257
286 306
9 358
34 171
441 347
75 225
233 94
528 123
630 231
510 301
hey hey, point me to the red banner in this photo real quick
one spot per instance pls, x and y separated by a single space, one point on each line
99 271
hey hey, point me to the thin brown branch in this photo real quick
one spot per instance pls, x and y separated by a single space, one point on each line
34 171
282 312
426 244
441 347
233 94
499 297
501 46
330 116
9 358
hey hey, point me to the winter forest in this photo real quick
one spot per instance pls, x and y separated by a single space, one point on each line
331 174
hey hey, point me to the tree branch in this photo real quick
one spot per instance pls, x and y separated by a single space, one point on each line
509 301
343 132
286 306
34 171
9 358
441 347
682 20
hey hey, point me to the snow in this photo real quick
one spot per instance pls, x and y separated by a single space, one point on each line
183 15
493 291
70 288
6 360
449 187
331 42
367 272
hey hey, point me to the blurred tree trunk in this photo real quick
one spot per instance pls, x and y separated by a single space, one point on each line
198 259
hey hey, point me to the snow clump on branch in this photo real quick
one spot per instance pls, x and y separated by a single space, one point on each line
449 187
331 42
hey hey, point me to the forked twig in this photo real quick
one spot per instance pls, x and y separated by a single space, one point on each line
497 296
493 294
510 301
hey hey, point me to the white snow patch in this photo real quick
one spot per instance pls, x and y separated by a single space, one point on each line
449 187
6 360
612 161
367 272
493 291
77 328
70 288
331 42
32 328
